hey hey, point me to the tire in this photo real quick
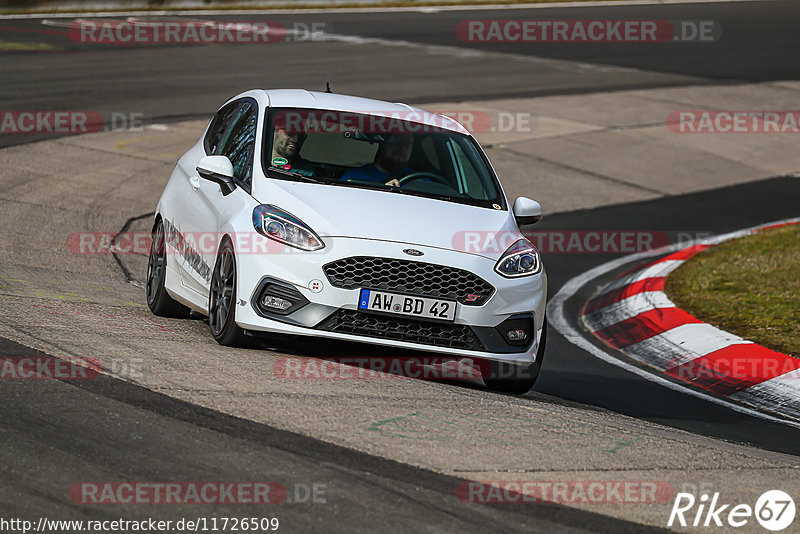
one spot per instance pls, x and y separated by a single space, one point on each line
222 300
158 300
513 378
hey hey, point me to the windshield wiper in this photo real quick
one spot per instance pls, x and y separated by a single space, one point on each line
378 186
295 175
369 184
364 184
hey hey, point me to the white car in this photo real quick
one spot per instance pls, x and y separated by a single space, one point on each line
332 216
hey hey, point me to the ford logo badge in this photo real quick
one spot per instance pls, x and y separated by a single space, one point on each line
413 252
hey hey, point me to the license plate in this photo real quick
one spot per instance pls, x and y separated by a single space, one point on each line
380 301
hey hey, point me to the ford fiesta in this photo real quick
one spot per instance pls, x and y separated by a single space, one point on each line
333 216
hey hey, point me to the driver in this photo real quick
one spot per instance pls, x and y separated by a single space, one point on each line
286 152
390 163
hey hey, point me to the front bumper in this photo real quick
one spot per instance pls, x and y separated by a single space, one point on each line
332 312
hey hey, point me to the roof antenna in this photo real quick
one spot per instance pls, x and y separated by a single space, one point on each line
328 87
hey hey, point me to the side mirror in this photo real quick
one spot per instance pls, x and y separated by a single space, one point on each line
527 211
217 169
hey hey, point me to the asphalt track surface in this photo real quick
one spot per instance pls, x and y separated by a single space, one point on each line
176 440
122 430
169 82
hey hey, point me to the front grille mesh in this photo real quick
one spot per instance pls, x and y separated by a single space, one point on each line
410 277
402 329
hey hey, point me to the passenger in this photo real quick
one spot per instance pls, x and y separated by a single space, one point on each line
286 146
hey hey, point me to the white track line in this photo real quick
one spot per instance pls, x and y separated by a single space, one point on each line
466 52
461 52
556 316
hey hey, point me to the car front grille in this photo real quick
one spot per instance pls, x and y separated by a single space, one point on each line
401 329
410 277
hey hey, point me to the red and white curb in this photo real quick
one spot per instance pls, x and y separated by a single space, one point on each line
634 315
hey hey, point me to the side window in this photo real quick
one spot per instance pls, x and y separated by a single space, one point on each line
239 142
469 181
219 124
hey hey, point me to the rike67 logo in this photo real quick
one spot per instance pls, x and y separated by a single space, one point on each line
774 510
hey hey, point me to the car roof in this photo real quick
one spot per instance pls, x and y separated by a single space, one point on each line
301 98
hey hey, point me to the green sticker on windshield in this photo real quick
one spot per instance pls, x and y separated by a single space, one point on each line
279 161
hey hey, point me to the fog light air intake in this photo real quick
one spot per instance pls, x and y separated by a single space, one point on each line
275 298
517 330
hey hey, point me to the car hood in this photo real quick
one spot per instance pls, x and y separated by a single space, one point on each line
337 211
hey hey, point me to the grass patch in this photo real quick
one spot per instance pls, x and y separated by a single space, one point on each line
748 286
8 46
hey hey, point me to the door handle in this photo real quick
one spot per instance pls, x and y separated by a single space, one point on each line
194 181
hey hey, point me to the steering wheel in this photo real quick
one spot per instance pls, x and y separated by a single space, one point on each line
423 174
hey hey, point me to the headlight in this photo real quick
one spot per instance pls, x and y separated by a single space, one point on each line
285 228
521 259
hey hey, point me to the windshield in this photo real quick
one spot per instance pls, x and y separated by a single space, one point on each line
378 152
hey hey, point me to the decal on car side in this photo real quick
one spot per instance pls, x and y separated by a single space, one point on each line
178 241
